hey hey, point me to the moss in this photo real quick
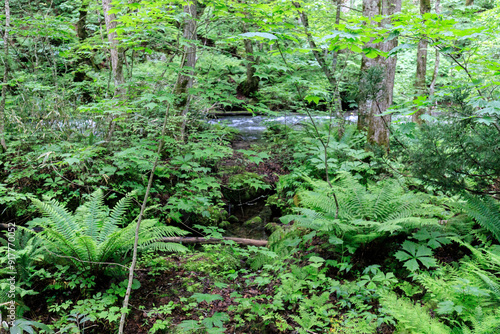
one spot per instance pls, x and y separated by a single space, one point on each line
245 187
233 219
253 221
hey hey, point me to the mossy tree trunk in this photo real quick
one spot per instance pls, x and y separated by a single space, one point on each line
116 55
250 86
186 78
370 9
420 85
5 75
432 87
378 126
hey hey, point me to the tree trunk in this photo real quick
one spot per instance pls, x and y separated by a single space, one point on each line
378 126
329 72
5 75
469 2
314 48
432 87
116 55
185 80
251 85
420 86
82 59
370 9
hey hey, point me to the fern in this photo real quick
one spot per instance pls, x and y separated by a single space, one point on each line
364 212
485 211
473 286
92 234
411 318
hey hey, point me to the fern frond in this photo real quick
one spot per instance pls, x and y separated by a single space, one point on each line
166 247
411 318
92 214
485 211
62 219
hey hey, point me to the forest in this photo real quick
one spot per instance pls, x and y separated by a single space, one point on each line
250 166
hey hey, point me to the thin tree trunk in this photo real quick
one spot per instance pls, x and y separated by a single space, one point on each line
329 72
314 48
251 84
370 9
5 75
338 100
116 59
420 86
186 81
432 87
378 126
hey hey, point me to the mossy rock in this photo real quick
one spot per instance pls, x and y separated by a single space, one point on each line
253 221
266 214
244 187
233 219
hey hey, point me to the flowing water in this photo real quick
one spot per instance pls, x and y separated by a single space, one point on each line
252 127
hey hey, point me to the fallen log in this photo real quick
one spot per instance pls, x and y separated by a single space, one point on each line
201 240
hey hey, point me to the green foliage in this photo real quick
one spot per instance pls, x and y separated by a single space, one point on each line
413 255
92 235
485 211
411 318
463 292
365 213
19 326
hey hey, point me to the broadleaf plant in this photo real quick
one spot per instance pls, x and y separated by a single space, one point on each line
413 254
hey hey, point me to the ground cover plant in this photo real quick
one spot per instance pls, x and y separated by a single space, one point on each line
250 167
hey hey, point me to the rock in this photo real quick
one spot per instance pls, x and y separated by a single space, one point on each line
244 187
266 214
233 219
224 223
253 221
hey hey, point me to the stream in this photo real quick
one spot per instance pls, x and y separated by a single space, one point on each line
252 127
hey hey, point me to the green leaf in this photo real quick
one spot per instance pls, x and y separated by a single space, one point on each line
428 261
312 98
190 325
423 250
402 256
206 297
412 265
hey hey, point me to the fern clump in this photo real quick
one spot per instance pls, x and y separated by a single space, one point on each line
469 292
485 211
93 234
364 212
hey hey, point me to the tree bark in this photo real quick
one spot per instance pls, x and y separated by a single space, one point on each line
378 126
370 9
5 75
251 85
186 80
420 86
320 58
83 59
314 48
432 87
116 56
116 53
